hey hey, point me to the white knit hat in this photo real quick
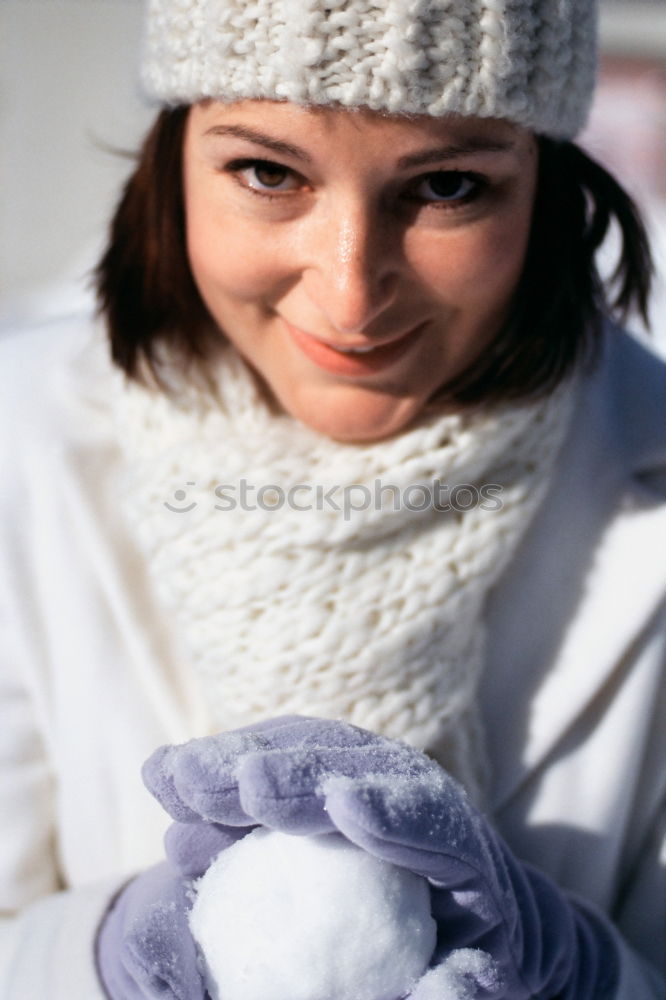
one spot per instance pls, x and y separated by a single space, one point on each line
528 61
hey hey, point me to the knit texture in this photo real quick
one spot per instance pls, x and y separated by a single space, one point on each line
373 615
531 62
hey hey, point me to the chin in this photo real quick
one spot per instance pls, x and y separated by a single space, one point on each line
353 420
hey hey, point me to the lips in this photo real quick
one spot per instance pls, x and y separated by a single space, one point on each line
344 360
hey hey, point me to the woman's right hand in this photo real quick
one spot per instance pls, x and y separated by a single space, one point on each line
197 782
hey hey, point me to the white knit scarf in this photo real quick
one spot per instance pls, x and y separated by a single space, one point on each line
372 615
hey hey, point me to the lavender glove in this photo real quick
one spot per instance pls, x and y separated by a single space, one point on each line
311 776
144 945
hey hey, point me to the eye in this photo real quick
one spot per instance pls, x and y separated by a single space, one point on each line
263 176
447 186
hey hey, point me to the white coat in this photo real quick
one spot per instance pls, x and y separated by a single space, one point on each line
573 692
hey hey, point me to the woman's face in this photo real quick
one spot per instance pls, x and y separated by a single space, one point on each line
357 261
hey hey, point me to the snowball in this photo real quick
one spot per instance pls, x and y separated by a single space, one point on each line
461 976
281 917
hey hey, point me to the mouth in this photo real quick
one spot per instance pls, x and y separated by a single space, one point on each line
352 359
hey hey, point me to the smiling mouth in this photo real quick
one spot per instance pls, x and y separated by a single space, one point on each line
365 349
352 359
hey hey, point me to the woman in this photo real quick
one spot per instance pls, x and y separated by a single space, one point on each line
368 450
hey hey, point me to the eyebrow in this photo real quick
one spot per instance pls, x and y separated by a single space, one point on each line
260 139
424 157
451 152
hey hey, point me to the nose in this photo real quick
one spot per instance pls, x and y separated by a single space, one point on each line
352 275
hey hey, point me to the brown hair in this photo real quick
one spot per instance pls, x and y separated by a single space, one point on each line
145 287
147 294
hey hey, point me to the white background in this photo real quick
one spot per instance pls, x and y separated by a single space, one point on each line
68 88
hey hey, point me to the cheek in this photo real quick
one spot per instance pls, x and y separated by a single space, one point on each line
228 258
477 265
224 257
480 266
504 247
496 264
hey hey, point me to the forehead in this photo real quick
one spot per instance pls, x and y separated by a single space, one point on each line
374 130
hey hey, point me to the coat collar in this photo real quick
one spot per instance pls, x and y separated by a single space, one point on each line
627 398
564 613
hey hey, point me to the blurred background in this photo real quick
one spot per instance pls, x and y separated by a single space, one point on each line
70 104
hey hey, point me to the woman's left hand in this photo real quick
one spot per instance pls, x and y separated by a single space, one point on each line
311 776
144 947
